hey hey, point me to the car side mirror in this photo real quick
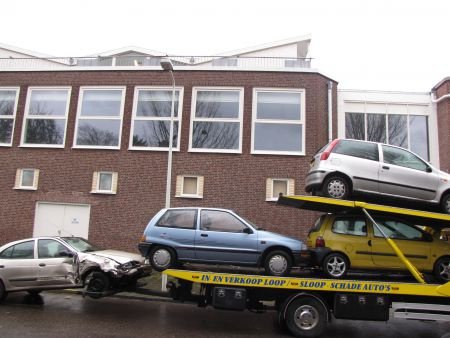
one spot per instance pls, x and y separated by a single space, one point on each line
247 231
66 254
429 170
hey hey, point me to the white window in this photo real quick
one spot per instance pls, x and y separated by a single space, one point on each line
104 182
99 117
27 179
189 186
216 120
8 108
278 121
277 186
46 117
150 127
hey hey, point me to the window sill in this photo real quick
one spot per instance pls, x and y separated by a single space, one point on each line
25 188
189 196
104 192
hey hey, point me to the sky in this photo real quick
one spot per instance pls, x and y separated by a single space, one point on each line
393 45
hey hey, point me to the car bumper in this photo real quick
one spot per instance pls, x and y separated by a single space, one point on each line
302 258
314 179
318 255
144 248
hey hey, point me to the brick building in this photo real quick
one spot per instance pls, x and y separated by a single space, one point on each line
84 140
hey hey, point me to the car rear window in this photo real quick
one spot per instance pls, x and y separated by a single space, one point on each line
184 219
317 224
365 150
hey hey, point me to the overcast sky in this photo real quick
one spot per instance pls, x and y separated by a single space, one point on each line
363 44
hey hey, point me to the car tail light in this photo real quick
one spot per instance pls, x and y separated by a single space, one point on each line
143 238
320 242
326 153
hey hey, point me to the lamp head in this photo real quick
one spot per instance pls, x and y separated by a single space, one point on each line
166 64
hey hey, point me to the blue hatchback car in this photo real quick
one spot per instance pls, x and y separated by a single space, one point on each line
217 236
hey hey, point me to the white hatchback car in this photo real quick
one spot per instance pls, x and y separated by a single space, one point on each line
45 263
344 167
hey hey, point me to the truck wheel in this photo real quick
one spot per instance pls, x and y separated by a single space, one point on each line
162 258
2 291
442 269
97 283
445 204
336 187
278 263
335 265
306 317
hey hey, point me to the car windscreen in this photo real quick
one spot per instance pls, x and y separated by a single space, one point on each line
80 244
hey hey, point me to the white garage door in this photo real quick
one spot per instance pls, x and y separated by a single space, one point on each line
61 220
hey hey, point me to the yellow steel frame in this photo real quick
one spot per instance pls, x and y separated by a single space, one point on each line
311 284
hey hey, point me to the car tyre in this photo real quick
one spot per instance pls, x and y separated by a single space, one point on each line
335 265
97 283
337 187
3 292
445 204
162 258
442 269
278 263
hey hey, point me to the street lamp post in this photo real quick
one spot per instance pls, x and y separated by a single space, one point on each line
166 64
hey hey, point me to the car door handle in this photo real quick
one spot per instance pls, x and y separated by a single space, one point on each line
163 235
2 266
385 167
42 264
369 242
204 235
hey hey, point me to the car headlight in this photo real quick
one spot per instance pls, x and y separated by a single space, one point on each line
127 266
303 247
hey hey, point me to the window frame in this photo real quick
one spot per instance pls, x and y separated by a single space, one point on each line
135 118
302 121
290 187
26 116
123 89
240 118
180 186
13 116
19 179
96 183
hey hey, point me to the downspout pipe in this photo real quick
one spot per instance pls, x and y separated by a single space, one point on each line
330 111
443 97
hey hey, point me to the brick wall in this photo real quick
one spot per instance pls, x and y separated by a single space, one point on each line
443 116
235 181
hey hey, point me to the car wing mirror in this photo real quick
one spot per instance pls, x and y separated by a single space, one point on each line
247 231
429 170
66 254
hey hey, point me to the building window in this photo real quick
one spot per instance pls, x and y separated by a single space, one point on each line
278 122
406 131
27 179
104 182
8 108
46 117
151 119
99 118
189 186
277 186
216 123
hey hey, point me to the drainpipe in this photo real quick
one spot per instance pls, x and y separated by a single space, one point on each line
330 111
443 97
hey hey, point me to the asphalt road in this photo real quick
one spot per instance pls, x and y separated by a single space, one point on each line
70 315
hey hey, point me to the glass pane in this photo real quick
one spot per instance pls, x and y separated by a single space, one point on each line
48 102
27 178
178 219
217 104
156 103
44 131
7 100
279 187
398 130
278 137
101 103
278 105
376 128
23 251
105 182
354 126
6 126
212 220
98 133
154 134
365 150
190 186
49 248
403 158
418 129
216 135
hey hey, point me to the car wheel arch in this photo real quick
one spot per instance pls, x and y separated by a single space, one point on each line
341 174
437 261
270 249
445 194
